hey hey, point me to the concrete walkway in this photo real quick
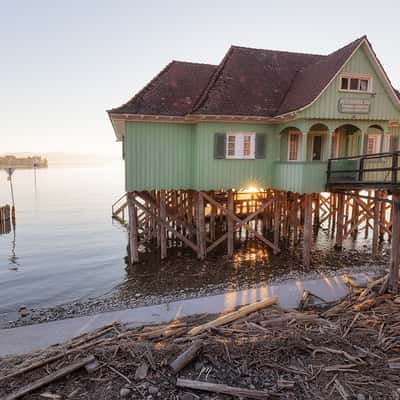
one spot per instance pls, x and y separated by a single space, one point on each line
34 337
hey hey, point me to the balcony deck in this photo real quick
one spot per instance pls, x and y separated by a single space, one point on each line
369 171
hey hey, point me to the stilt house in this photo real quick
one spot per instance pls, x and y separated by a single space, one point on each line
277 123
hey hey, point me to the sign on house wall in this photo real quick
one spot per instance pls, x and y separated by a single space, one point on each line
354 106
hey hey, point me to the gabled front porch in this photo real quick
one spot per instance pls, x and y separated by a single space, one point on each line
306 146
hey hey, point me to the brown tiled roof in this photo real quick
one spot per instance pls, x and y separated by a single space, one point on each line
173 91
309 82
247 82
252 82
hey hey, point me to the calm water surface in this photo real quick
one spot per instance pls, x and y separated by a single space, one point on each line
66 245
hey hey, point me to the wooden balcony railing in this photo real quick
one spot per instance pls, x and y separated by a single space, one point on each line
378 170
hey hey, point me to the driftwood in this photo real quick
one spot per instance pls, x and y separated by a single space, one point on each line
225 319
223 389
186 357
50 378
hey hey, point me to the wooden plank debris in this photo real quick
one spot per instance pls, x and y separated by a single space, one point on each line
225 319
50 378
223 389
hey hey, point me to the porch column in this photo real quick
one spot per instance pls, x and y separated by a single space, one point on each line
329 145
362 142
303 146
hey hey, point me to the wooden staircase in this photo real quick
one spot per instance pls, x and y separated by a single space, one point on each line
119 210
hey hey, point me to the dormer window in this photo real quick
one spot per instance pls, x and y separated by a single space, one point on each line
356 83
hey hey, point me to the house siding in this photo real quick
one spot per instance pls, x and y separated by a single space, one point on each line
382 107
158 156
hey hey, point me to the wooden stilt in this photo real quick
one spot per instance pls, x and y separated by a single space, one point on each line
133 232
277 221
340 221
395 254
200 227
307 229
230 224
163 232
375 237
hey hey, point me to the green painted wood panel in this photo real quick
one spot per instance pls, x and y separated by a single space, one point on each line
300 177
158 156
382 106
210 173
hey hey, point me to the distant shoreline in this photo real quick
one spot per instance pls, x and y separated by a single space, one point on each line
11 161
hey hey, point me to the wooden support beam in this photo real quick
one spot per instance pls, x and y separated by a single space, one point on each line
133 232
340 221
376 228
395 254
166 225
307 230
277 221
163 232
200 227
230 223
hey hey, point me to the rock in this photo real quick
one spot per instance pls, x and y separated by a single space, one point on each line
21 308
153 389
141 371
124 392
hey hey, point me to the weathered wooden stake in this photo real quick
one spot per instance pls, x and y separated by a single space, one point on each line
375 237
277 221
230 224
340 222
163 232
133 233
307 230
200 227
395 255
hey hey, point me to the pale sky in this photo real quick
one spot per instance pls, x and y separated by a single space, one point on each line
63 63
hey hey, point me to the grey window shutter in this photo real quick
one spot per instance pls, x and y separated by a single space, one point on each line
123 147
260 148
219 145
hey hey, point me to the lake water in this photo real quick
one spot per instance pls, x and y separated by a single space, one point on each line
66 245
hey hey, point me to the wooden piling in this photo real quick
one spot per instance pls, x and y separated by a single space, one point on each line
395 253
375 237
307 239
230 224
340 221
163 232
133 232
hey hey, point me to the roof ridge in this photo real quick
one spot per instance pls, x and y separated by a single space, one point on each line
142 91
277 51
192 63
203 95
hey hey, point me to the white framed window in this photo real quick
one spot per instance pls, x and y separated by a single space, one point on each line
373 143
240 145
356 83
294 139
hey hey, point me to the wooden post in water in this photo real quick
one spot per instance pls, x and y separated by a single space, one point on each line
307 239
277 220
200 227
133 232
230 224
395 254
340 222
375 237
163 231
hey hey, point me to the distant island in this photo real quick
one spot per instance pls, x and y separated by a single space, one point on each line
10 161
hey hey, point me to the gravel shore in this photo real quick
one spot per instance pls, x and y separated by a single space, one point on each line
182 277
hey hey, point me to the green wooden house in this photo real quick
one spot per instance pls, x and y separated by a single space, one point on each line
261 118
